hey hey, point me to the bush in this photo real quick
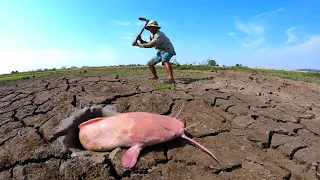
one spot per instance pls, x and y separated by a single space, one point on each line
212 63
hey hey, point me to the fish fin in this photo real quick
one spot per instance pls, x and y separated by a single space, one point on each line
129 158
90 121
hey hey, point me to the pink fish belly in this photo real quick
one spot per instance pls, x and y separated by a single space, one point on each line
104 135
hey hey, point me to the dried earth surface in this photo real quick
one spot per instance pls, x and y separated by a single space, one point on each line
259 127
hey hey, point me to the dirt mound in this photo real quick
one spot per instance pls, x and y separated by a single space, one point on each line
259 127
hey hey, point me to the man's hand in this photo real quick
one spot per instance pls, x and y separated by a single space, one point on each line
139 38
135 43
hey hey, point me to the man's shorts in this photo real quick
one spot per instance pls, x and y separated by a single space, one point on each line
160 57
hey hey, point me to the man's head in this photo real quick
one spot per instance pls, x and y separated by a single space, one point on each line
152 26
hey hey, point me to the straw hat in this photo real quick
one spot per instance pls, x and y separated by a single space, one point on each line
152 23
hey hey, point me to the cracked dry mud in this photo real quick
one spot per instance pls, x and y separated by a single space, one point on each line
259 127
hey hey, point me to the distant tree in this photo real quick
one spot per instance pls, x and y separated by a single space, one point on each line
238 65
212 62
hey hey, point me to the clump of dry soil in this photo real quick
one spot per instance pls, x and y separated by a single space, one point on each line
259 127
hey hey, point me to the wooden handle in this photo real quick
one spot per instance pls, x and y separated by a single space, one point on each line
135 41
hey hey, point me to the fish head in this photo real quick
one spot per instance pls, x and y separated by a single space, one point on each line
176 127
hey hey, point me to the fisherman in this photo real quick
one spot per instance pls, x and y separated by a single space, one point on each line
165 49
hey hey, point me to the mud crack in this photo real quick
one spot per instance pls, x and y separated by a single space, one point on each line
47 85
23 97
228 169
8 139
254 116
169 110
74 101
40 160
115 97
226 110
271 133
287 177
15 118
295 150
214 133
214 102
40 133
112 171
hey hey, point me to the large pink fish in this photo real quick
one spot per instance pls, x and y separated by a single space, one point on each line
135 130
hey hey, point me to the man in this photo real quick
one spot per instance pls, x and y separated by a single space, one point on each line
160 42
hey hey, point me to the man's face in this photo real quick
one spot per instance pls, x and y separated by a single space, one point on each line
153 29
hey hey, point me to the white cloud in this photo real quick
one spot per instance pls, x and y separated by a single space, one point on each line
248 42
24 60
305 49
291 36
253 30
269 13
233 35
249 28
252 43
303 55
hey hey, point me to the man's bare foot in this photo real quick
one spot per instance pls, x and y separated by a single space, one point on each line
168 81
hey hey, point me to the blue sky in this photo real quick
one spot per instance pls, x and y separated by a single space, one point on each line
54 33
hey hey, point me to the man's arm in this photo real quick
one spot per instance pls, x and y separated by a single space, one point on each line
135 43
142 41
153 42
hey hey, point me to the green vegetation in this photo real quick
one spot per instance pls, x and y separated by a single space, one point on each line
22 76
312 77
137 69
164 86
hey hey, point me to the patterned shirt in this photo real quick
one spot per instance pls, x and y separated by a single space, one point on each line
160 42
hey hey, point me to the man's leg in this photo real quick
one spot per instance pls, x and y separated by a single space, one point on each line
169 69
166 58
153 70
155 60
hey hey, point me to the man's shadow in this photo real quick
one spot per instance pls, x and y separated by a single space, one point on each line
192 80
